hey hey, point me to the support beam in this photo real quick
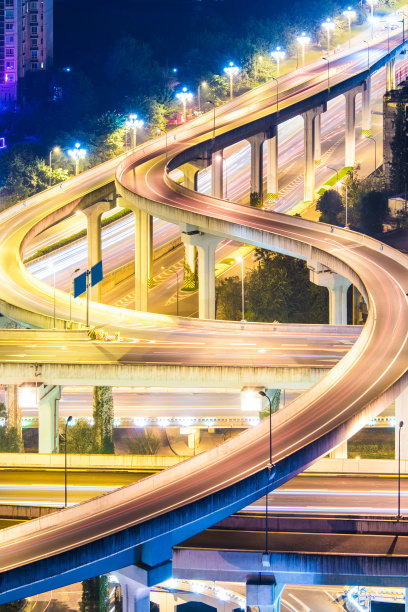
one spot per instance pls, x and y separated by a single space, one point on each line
311 131
48 419
350 134
94 237
256 193
401 414
136 581
317 140
366 108
143 257
263 592
390 69
272 180
217 174
337 286
206 245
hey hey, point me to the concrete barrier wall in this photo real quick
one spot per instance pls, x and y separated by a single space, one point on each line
24 513
88 462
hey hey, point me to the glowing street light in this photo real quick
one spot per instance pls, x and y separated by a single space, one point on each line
329 26
231 70
77 153
278 55
203 85
350 14
303 40
372 3
133 123
54 150
184 96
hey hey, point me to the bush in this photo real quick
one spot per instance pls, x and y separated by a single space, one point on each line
80 438
10 441
145 443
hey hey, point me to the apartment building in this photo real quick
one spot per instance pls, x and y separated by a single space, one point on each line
26 43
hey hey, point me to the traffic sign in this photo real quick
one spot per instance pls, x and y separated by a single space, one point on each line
80 284
96 274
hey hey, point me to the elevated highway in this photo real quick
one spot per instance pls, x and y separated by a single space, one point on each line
142 522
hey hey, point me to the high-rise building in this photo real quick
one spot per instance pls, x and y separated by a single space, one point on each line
26 43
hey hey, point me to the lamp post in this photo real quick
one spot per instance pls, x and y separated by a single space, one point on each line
70 293
203 85
270 468
375 151
303 40
231 70
326 59
77 153
368 54
337 176
400 424
184 96
350 14
213 105
241 261
277 94
69 419
133 123
372 3
329 26
346 206
52 269
54 150
278 55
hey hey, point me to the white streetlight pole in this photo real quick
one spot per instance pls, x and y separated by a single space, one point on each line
77 153
203 85
303 40
184 96
329 26
350 14
278 55
54 150
133 123
231 71
372 3
241 261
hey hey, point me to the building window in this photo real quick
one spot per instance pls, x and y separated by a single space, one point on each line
34 42
33 5
9 27
9 15
9 40
10 78
10 52
9 65
34 54
9 3
34 66
34 30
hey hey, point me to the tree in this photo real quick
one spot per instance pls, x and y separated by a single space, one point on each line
103 420
373 209
228 299
330 206
144 443
80 438
95 595
399 148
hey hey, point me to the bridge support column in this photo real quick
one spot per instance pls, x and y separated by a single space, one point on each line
337 286
190 176
143 257
136 582
256 195
401 414
217 174
317 139
340 452
390 69
263 592
48 418
206 245
310 148
272 181
350 135
94 237
366 108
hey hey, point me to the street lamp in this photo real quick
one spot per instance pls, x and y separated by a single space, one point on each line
350 14
278 55
337 176
303 40
265 560
326 59
133 123
372 3
51 268
77 153
240 260
375 150
184 96
373 21
203 85
390 22
69 419
70 293
231 70
270 466
54 150
329 26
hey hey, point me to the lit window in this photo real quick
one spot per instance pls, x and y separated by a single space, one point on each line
10 52
10 78
9 15
34 54
9 40
9 65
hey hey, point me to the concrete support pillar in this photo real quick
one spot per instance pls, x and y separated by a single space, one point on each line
263 592
13 408
401 414
337 286
217 174
317 139
143 257
48 418
272 181
256 193
94 237
390 69
190 176
311 147
135 582
366 108
340 452
190 266
206 245
350 135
